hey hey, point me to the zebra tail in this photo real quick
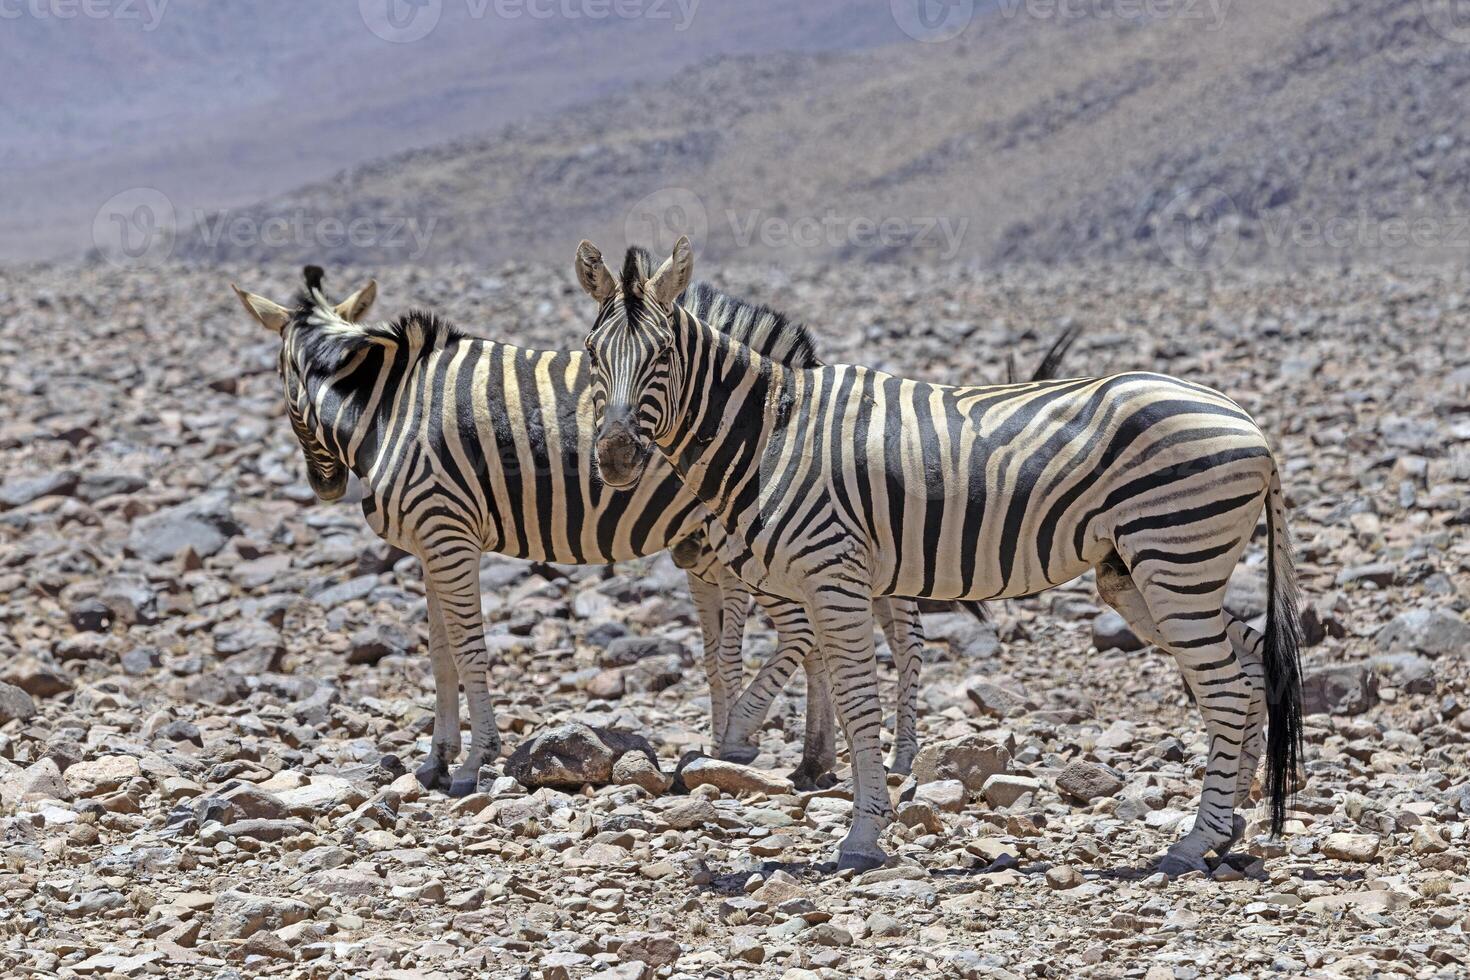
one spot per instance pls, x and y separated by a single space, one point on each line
1282 664
975 608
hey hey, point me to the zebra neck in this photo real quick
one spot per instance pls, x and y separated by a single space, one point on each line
721 425
348 406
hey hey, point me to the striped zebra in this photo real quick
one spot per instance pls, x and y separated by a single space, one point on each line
839 483
466 445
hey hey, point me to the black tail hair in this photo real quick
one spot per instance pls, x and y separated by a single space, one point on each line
1281 660
976 608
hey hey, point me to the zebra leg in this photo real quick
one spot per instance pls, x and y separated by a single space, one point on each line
819 751
1192 628
445 745
1248 645
904 629
730 660
844 622
795 641
709 603
453 578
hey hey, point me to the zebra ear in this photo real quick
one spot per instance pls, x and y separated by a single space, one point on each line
272 316
672 278
592 273
355 307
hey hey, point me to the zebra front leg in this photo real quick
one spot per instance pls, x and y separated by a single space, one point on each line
444 746
795 640
843 617
730 659
904 629
708 602
453 577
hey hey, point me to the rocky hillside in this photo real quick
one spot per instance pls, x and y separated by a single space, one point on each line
1317 131
211 685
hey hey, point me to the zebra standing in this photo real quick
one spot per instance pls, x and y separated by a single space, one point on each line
839 483
466 445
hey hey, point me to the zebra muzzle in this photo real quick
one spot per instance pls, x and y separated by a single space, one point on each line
621 455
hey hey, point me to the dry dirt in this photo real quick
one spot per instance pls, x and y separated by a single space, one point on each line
213 683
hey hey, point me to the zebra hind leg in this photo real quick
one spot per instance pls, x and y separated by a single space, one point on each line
708 602
904 629
795 640
1192 628
445 746
1249 645
819 751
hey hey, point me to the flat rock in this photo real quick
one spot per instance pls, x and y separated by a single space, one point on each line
971 759
573 755
239 914
1087 781
733 778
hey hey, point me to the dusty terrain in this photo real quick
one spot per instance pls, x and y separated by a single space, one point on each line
213 683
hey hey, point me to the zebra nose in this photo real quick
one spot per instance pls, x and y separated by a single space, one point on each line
619 454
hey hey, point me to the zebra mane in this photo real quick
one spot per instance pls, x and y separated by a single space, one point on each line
768 332
328 341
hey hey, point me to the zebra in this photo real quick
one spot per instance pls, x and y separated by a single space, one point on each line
513 474
839 483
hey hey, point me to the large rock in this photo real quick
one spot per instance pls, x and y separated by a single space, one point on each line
628 650
322 795
1432 632
15 704
25 489
971 759
968 638
96 777
239 914
999 701
573 754
202 525
1086 781
38 781
733 778
1347 689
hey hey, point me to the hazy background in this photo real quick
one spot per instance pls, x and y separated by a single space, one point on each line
1195 132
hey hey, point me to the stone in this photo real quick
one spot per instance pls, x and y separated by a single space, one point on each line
96 777
922 815
1432 632
201 526
690 814
947 795
40 780
24 490
1348 689
733 778
1111 631
997 701
373 643
15 704
628 650
636 769
655 949
240 914
747 949
968 638
1001 790
322 795
1084 781
1373 900
572 755
971 759
1357 848
1063 877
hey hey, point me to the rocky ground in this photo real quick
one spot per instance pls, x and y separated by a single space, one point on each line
213 684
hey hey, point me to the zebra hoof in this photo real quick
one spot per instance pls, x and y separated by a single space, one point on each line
1176 866
861 861
809 779
743 754
463 786
432 775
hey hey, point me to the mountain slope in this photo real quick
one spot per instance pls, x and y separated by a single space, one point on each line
1177 138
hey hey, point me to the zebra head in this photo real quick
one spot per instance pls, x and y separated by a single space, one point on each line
326 473
631 347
